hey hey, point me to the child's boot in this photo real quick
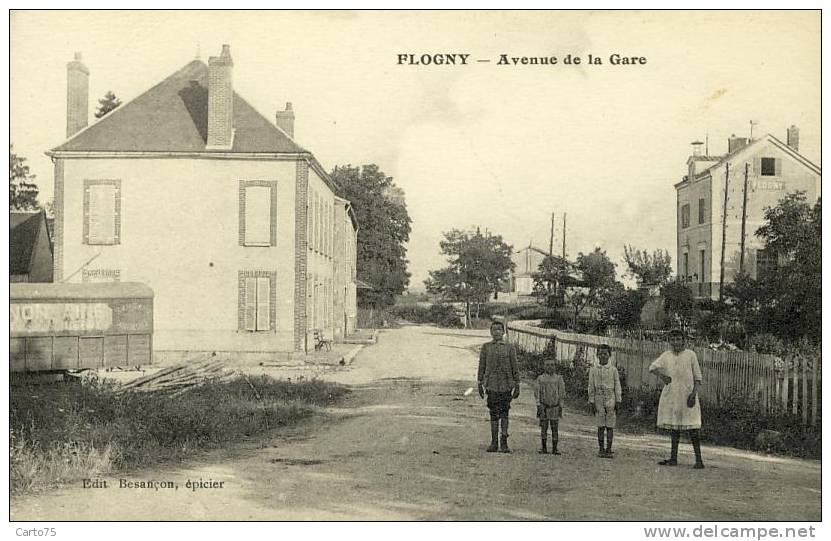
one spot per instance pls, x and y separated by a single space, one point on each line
544 447
555 437
494 447
503 441
602 450
610 436
503 444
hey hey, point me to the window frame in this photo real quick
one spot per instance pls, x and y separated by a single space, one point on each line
89 185
685 216
243 223
771 170
243 297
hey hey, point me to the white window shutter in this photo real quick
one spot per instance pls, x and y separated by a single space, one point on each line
101 214
757 166
258 215
778 167
263 296
250 303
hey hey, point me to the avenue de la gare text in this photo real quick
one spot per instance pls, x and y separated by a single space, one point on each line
464 59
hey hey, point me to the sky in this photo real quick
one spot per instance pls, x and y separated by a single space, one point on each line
482 144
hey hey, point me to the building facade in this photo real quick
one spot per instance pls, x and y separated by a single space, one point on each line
721 192
527 261
191 191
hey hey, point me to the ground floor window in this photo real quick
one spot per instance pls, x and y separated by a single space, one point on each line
257 301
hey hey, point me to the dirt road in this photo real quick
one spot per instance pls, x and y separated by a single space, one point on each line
407 444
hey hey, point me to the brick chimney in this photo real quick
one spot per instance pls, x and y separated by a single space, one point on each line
220 100
77 96
793 137
285 120
735 143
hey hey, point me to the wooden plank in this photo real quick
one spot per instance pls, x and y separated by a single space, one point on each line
17 354
38 353
65 352
814 385
805 391
91 352
795 386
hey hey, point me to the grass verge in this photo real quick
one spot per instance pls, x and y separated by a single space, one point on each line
68 431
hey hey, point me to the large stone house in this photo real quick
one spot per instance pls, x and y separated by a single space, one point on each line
772 169
238 229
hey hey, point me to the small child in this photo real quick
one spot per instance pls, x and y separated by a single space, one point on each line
604 397
550 391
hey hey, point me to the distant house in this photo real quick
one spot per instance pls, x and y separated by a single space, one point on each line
527 261
774 169
30 247
238 230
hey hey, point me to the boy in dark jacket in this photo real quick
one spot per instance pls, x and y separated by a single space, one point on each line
499 377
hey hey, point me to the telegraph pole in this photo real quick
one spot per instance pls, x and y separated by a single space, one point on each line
551 238
564 235
723 233
744 219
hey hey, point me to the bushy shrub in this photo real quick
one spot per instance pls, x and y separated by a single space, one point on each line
444 315
414 313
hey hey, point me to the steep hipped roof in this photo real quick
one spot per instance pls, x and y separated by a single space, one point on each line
173 117
23 234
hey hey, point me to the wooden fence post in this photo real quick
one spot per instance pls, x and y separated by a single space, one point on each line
814 384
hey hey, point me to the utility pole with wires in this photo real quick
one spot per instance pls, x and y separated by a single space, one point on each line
564 235
551 238
744 219
723 234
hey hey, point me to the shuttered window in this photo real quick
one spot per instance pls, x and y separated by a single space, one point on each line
102 211
258 213
685 216
702 210
257 301
767 167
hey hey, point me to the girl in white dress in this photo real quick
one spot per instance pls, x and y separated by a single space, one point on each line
679 408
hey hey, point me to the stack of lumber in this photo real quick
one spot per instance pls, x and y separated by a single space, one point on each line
177 379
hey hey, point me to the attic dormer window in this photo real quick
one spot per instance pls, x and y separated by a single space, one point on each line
768 167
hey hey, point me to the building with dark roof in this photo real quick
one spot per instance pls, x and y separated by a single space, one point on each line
30 249
236 227
711 207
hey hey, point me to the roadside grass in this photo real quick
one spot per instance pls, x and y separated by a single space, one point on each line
734 423
67 431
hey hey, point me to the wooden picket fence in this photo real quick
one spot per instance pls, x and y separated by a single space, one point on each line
772 385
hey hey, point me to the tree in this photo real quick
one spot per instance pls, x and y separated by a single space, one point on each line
23 192
679 304
478 267
107 104
648 269
785 300
622 307
383 233
551 279
598 275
